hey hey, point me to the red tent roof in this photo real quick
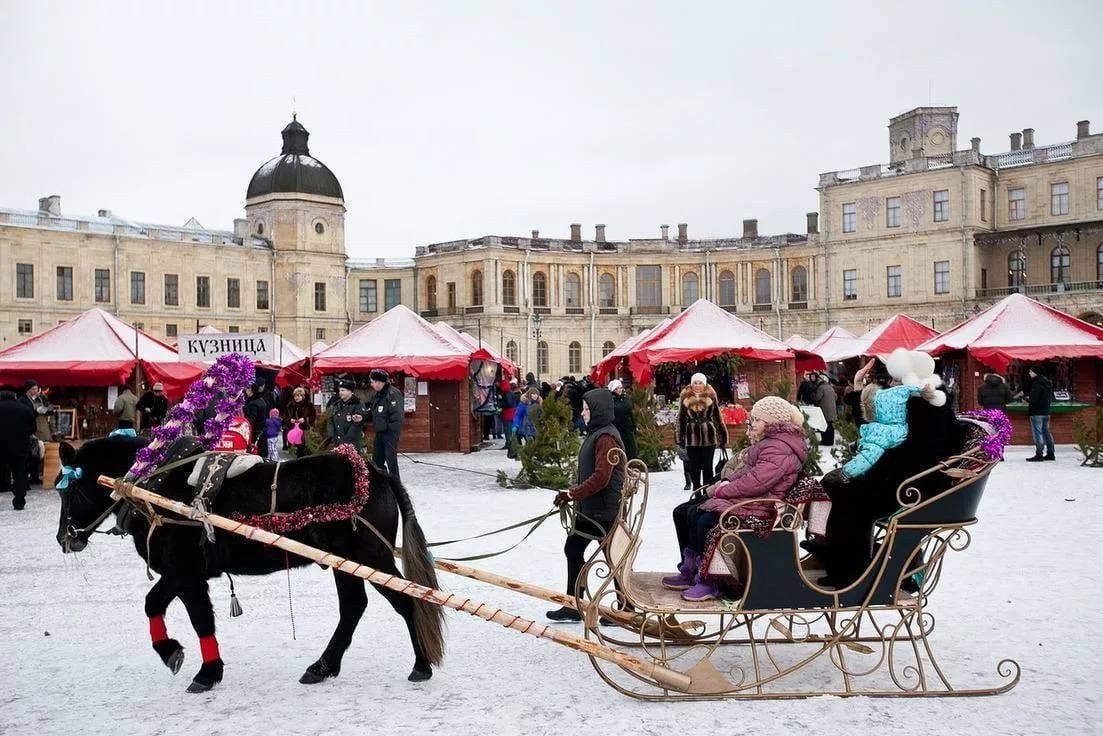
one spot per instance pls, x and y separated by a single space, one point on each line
703 331
898 331
397 340
604 367
1020 328
833 342
95 349
482 351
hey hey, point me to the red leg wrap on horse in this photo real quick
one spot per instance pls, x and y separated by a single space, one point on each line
208 647
157 630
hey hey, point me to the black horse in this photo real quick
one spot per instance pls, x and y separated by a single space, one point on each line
185 560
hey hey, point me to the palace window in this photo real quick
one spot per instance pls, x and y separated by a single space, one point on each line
392 293
26 327
431 293
101 285
1059 198
450 287
509 288
608 346
689 288
1099 264
1099 193
607 288
1016 203
895 285
137 287
574 358
649 292
539 289
892 212
172 290
572 288
170 330
850 284
727 289
24 280
233 329
476 288
1060 261
942 205
799 278
65 283
942 277
850 217
319 296
202 291
262 295
233 293
1016 268
983 205
542 357
368 299
762 287
320 333
511 351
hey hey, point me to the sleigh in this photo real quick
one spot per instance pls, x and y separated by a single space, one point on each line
780 634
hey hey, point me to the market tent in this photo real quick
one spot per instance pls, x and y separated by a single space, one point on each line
605 367
898 331
96 349
397 340
703 331
836 341
208 330
1019 328
797 342
481 350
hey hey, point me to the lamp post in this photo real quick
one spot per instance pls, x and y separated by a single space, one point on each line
537 320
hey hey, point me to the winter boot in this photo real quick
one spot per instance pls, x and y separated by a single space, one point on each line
1049 456
687 570
701 591
568 615
1037 458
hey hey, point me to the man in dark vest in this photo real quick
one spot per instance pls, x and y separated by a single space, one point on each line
346 418
596 495
386 408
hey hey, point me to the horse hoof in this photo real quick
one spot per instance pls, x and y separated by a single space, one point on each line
417 675
199 687
318 672
175 661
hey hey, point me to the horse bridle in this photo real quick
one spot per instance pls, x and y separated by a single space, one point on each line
85 532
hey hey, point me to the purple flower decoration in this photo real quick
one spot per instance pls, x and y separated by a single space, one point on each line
992 445
225 381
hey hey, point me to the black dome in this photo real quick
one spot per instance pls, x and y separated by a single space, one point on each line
294 170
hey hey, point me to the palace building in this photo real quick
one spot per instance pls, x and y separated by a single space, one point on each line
934 232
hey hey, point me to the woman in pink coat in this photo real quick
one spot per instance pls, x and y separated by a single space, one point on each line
771 467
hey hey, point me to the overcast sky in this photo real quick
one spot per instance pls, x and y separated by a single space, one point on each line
446 120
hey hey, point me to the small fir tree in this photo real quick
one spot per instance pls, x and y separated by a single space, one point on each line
1089 438
551 458
848 433
315 440
649 435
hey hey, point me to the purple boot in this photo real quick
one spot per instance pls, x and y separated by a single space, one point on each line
701 590
687 570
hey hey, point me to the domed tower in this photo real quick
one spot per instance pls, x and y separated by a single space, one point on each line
296 202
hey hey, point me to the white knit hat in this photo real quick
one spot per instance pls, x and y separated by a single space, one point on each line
615 385
699 378
776 410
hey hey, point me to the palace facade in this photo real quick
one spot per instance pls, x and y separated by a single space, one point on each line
935 232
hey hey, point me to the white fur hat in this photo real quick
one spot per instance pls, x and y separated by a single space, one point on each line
614 385
916 368
699 378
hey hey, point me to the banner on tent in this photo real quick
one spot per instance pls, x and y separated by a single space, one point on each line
258 346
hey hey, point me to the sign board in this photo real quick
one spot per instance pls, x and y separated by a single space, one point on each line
409 395
199 348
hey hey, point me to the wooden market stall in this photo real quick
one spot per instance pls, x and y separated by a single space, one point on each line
431 369
1008 337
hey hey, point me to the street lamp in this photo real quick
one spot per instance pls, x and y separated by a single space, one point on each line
537 320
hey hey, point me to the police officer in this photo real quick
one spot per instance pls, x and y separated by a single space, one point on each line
386 409
346 418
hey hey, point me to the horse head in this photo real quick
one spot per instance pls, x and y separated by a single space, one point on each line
83 500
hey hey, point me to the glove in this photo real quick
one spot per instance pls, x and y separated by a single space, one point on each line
561 498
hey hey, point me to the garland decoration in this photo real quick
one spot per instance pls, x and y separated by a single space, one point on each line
992 445
292 521
224 383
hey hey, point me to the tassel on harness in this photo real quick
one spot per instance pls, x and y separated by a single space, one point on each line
235 607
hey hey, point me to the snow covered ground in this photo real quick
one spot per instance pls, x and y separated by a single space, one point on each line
75 655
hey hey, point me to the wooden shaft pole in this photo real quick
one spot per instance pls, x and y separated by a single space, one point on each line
669 678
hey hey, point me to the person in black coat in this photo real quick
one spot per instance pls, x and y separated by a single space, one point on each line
387 409
256 412
17 424
994 393
623 419
1039 400
153 406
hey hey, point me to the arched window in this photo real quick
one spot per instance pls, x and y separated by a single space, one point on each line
542 358
431 292
511 350
574 358
1060 261
762 286
607 286
727 289
509 288
573 287
476 288
1099 264
539 289
689 288
799 277
1016 268
608 346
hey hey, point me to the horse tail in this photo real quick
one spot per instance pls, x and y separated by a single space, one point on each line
417 566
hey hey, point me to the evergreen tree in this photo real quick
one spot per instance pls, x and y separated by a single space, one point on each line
649 435
551 458
1089 438
315 439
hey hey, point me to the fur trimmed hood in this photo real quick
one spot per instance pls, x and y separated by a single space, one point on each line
693 402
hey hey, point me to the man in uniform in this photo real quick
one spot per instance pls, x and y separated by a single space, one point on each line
346 419
386 408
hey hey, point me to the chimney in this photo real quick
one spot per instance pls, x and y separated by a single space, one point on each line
103 213
1028 139
665 229
241 226
576 232
1083 129
535 234
813 222
976 145
599 233
1016 141
50 205
750 229
683 232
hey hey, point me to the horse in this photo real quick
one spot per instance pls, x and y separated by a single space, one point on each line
185 558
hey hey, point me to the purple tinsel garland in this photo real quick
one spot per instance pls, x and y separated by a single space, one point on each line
992 445
230 375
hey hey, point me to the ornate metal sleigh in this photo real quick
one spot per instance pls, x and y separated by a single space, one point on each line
784 636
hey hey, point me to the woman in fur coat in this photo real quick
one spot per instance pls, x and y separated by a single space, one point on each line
700 429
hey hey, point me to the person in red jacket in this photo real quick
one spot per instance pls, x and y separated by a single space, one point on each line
511 397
